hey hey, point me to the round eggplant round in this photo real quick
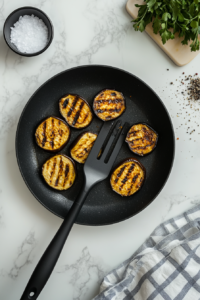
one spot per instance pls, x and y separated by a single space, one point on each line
128 177
141 139
52 134
76 111
59 172
82 146
109 104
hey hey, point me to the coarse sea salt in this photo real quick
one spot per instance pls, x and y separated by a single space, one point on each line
29 34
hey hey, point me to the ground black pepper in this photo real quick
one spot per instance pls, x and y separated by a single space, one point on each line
187 92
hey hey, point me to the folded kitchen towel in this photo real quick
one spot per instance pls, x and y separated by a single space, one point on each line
166 266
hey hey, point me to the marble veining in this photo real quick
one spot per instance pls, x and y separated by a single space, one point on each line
86 270
176 200
24 255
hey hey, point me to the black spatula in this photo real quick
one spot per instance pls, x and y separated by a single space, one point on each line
97 167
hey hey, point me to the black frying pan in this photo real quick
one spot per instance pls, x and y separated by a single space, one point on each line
102 206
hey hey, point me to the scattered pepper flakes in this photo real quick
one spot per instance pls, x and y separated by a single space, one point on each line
187 91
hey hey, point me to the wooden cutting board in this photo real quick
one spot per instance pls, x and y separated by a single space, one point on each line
180 54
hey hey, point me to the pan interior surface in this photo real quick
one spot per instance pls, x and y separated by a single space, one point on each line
102 206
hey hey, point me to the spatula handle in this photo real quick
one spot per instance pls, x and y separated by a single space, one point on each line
48 260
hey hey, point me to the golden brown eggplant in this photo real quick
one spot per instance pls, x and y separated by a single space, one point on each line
141 139
81 147
59 172
128 178
52 134
75 110
109 104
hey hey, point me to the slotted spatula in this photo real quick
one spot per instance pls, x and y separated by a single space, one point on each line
96 168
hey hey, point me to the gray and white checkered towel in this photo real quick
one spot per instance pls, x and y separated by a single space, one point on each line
166 266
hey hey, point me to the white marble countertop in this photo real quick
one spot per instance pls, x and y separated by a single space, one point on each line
86 32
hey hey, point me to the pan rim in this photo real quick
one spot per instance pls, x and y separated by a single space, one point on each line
82 67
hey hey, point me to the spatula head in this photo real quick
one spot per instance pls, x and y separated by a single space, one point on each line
105 150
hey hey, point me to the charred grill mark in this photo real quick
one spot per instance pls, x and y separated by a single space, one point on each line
44 134
132 133
133 181
52 135
78 113
142 142
72 106
127 175
109 101
60 140
85 118
83 152
148 135
66 170
52 144
113 94
60 131
133 141
111 110
53 167
148 138
66 174
142 147
47 165
56 183
120 173
65 103
60 171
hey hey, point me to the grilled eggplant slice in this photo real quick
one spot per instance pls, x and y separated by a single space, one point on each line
52 134
80 149
76 111
109 104
128 178
59 172
141 139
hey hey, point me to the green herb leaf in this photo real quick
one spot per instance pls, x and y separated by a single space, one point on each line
150 5
175 9
194 24
163 25
166 16
179 16
156 25
165 36
142 26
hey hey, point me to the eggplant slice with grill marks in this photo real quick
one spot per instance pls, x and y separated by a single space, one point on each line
109 104
59 172
52 134
75 110
128 178
141 139
82 146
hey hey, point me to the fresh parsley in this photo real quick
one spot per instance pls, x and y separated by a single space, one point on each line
169 17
